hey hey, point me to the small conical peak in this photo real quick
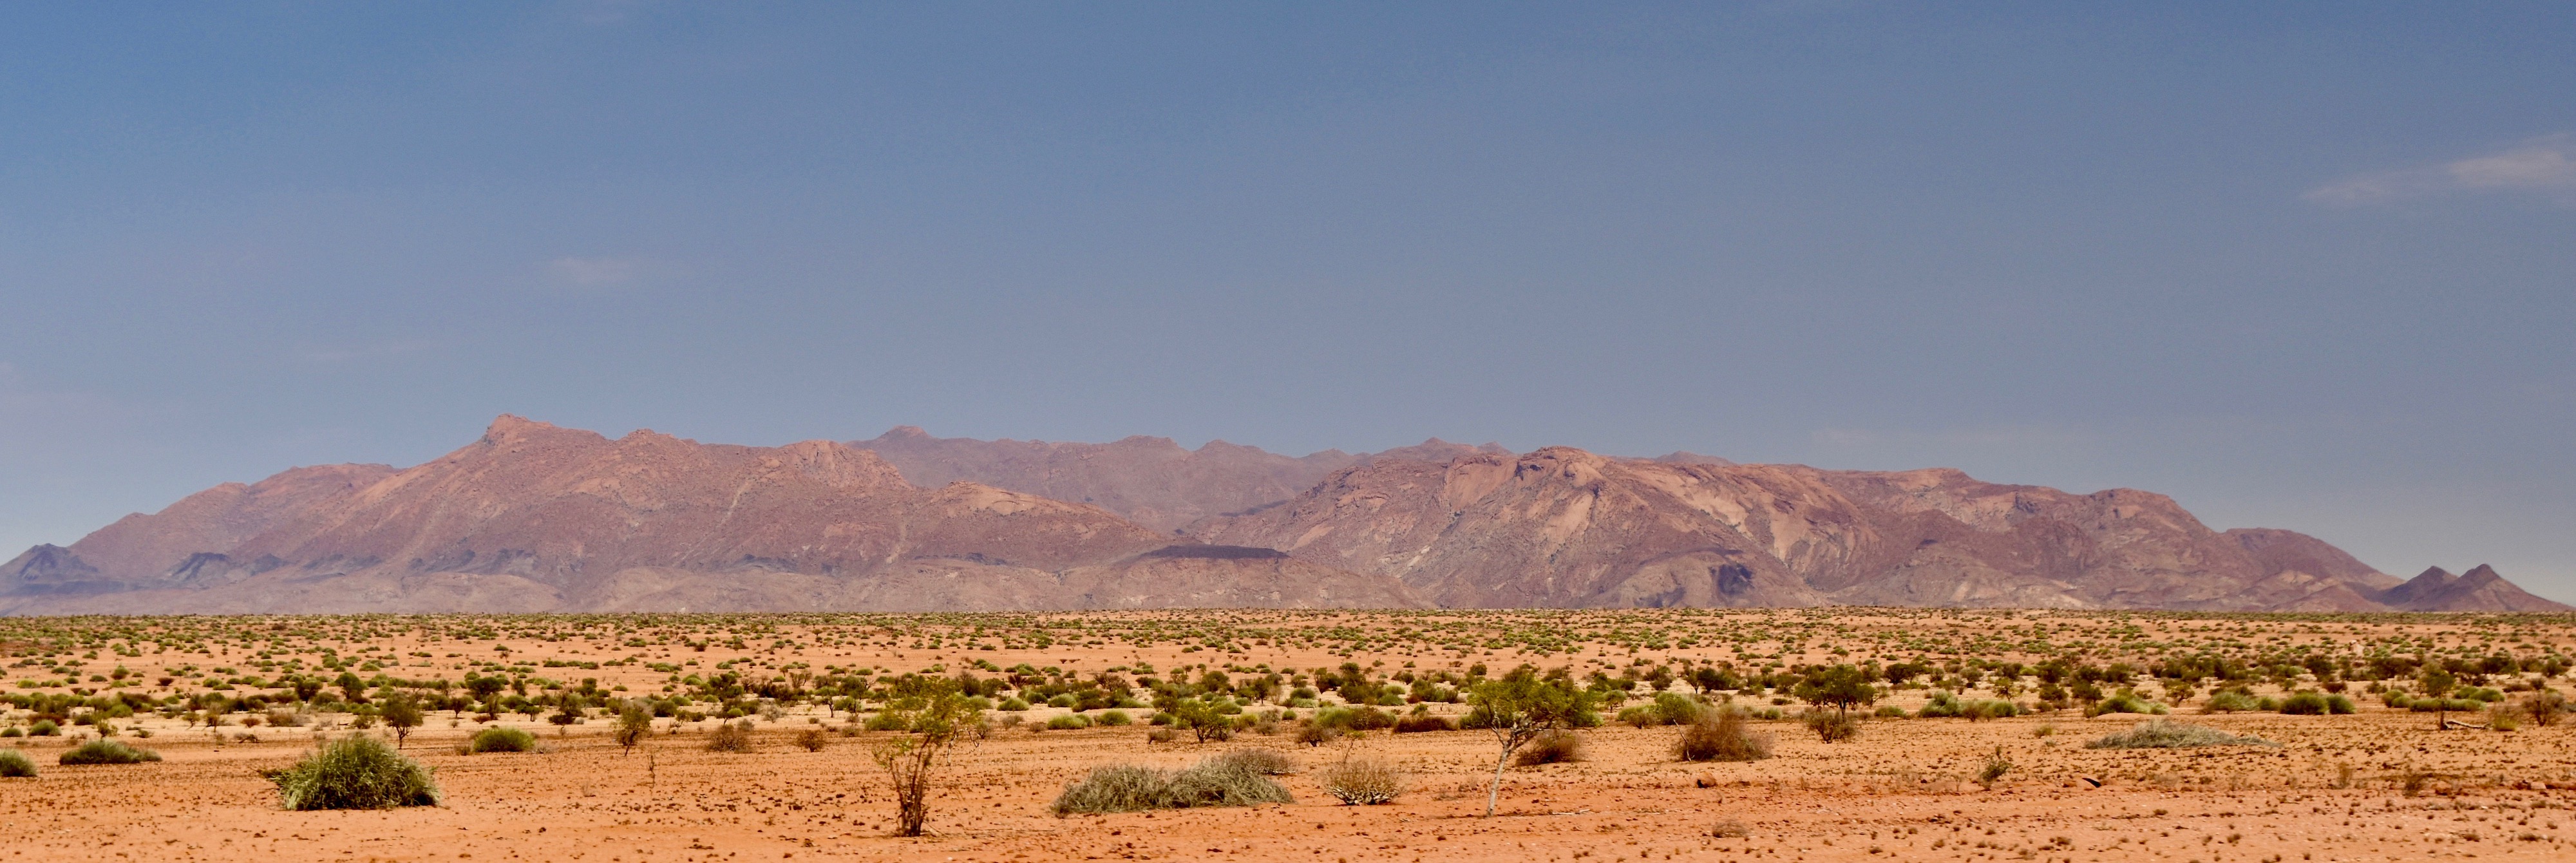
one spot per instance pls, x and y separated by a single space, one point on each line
2481 575
905 433
2433 575
511 427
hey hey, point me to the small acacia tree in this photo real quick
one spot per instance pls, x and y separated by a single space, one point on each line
402 714
632 724
1841 687
931 732
2437 685
1519 708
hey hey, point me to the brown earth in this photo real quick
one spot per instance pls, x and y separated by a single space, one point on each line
2381 785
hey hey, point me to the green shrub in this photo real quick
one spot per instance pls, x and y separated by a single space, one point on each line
2168 734
44 728
1941 704
1013 705
1832 726
1422 722
1889 711
1067 722
1114 788
1215 783
2445 705
107 752
2232 700
890 720
2127 701
1721 737
356 773
501 739
1114 718
16 765
2306 703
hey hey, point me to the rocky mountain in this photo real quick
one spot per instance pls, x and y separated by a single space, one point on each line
538 518
1564 527
534 518
1149 480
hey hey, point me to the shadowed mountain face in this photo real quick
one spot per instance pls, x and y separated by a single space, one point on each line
536 518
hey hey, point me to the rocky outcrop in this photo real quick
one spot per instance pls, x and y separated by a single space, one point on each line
2479 589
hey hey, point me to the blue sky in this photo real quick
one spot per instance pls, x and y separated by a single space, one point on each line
2302 266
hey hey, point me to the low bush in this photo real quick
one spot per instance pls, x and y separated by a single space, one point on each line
2545 707
44 728
728 737
107 752
1162 735
500 739
2168 734
1267 762
1363 781
1832 727
1314 733
1128 788
16 765
1354 718
2306 703
2127 701
1553 747
1421 722
356 773
1114 718
1067 722
1721 737
813 739
2233 700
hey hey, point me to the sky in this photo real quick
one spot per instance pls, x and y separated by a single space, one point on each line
2309 266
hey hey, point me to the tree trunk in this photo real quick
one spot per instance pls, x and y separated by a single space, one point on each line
1495 793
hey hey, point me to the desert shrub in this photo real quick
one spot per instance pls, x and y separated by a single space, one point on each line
1113 788
2545 707
2445 705
2168 734
356 773
2305 703
632 724
1314 733
2127 701
16 765
728 737
891 720
1941 704
1996 766
1128 788
1640 716
1832 727
2504 717
1267 762
1215 783
1162 735
2231 701
12 732
1114 718
500 739
1721 737
1354 718
1067 722
44 728
107 752
1890 711
1013 705
1553 747
813 739
1363 781
1421 722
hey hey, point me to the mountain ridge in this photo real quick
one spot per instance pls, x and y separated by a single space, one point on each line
534 517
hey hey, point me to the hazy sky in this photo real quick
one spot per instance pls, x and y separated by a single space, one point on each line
2303 267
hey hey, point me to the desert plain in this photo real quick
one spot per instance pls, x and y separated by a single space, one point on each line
223 699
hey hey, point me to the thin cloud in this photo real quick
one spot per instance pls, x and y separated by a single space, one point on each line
2544 166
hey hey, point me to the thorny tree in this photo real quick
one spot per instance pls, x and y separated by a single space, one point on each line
936 716
1519 708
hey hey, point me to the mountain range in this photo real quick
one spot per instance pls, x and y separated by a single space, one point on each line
537 518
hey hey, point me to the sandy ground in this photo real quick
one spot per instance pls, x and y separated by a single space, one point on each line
2332 792
1901 792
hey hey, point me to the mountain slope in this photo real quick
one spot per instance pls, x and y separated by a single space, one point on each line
1563 527
538 518
1149 480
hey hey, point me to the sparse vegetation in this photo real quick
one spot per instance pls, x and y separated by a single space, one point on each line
1721 735
1216 781
1362 781
734 737
2168 734
356 772
106 752
500 739
16 765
